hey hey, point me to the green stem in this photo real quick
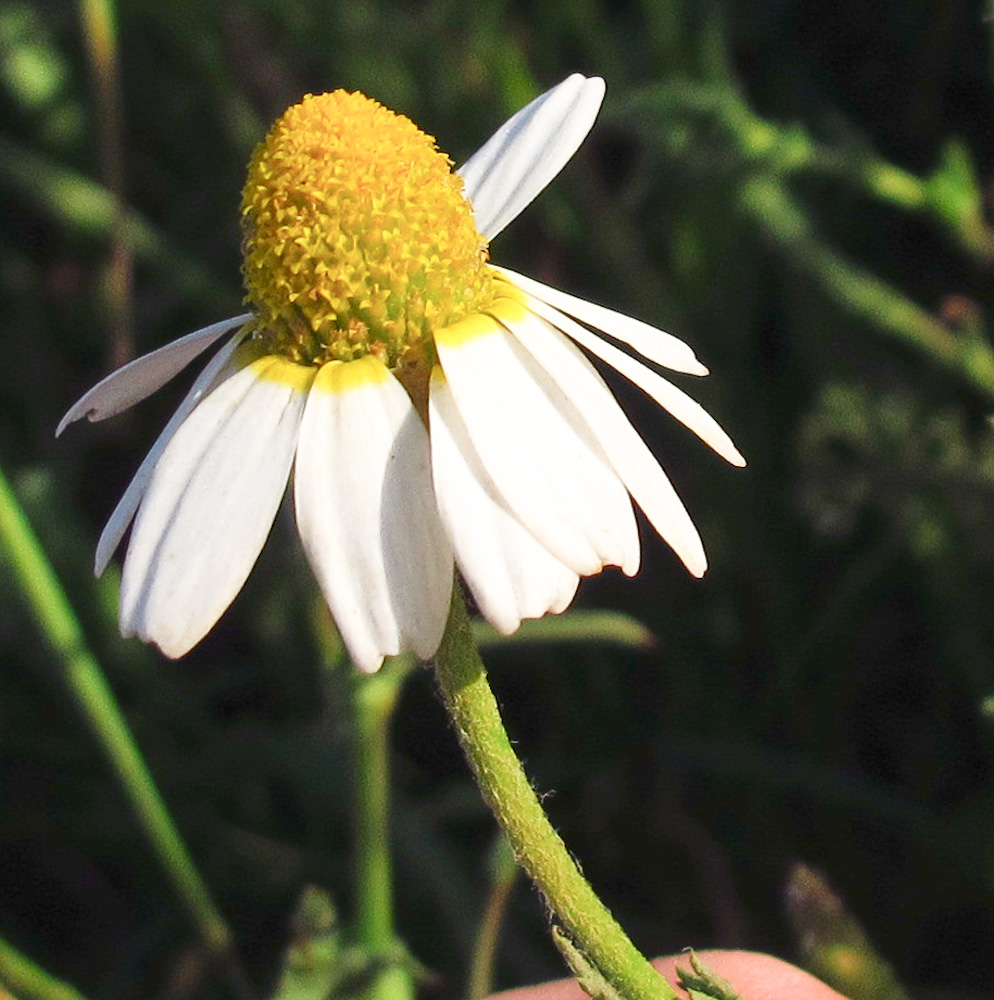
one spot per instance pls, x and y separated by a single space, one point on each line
100 38
58 623
504 873
373 698
538 848
28 981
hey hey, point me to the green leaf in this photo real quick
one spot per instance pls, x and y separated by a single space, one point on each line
575 627
590 978
703 984
313 961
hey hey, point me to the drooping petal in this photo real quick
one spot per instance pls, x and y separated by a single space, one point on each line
537 449
138 379
210 504
123 513
627 452
504 176
367 514
510 574
656 345
676 402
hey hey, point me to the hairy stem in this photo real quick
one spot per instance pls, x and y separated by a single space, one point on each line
538 848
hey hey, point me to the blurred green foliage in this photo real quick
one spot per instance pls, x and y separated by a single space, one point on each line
801 191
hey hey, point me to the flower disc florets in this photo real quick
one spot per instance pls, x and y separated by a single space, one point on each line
358 238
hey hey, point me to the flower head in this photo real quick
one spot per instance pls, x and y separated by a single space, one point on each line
434 410
358 237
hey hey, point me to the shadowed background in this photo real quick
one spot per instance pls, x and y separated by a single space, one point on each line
799 190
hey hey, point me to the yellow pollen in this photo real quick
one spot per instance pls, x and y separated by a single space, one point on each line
358 238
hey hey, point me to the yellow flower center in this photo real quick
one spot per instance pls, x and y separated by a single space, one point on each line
358 237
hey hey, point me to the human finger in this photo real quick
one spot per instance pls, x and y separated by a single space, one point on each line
754 975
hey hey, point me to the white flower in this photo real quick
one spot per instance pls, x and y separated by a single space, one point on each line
492 445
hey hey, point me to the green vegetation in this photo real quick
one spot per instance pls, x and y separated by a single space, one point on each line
802 192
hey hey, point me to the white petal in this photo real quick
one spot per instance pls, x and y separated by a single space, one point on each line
119 520
656 345
210 504
537 449
632 460
676 402
510 574
528 150
367 514
138 379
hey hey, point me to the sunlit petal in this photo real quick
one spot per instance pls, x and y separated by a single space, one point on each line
656 345
511 575
528 150
537 449
210 504
627 452
676 402
140 378
367 515
117 524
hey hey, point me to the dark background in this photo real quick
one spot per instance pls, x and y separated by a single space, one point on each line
799 189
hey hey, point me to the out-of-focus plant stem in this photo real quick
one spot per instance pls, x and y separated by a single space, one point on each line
21 979
834 945
503 875
594 935
374 697
772 208
100 37
951 196
58 624
85 208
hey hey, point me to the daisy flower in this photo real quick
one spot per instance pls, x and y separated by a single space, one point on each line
434 410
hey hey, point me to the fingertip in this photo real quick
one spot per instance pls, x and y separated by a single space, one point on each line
754 975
